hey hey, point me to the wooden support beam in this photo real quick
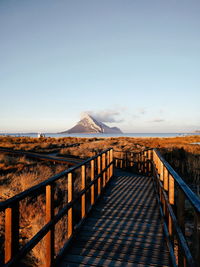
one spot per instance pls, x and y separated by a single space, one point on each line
171 189
121 161
103 168
181 222
165 179
145 155
83 202
197 238
70 211
49 217
131 163
161 170
92 178
150 168
99 171
116 163
107 163
170 228
11 232
157 165
111 160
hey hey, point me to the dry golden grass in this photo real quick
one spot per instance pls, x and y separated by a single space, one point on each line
19 173
36 144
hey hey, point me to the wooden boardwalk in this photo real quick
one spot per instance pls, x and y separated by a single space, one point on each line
124 228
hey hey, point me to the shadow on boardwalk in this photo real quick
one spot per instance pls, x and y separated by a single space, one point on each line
124 228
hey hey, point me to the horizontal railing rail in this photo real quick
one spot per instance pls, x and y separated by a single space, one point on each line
101 171
172 193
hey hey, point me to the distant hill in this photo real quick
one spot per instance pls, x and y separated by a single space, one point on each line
90 125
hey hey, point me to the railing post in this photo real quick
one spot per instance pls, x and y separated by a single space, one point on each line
171 190
103 168
149 154
92 178
161 170
145 162
99 171
165 178
111 166
83 203
131 163
197 237
126 160
121 161
140 162
107 163
171 202
116 163
165 185
70 211
181 222
49 217
11 232
158 164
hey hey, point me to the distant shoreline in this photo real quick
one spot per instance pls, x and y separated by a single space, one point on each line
102 135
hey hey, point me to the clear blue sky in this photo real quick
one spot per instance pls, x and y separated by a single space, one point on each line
136 62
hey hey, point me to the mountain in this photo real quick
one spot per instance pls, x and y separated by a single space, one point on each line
90 125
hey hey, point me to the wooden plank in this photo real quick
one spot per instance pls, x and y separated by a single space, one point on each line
122 231
138 257
145 220
129 227
105 205
93 261
123 238
125 222
133 210
128 215
125 247
124 228
121 242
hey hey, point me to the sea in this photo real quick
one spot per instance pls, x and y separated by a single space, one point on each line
101 135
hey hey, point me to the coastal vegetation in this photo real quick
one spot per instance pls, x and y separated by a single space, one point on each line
18 173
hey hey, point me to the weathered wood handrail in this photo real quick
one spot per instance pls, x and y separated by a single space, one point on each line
150 162
104 172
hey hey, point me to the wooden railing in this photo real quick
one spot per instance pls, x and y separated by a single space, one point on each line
138 162
101 171
172 194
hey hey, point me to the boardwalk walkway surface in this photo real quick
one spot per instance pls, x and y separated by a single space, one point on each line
124 228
